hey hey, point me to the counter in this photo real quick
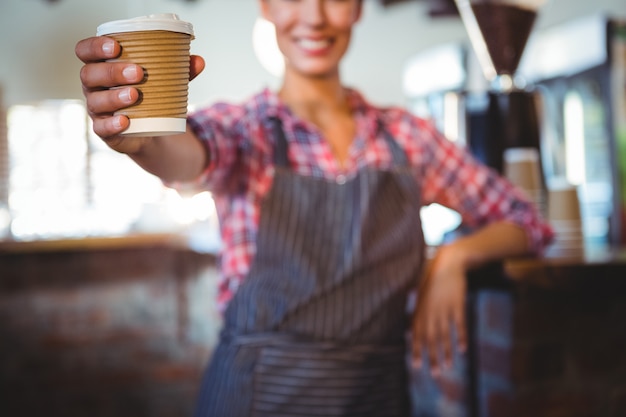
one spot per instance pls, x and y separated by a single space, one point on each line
123 326
118 326
547 338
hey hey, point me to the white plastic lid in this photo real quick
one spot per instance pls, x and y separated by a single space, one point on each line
161 21
521 155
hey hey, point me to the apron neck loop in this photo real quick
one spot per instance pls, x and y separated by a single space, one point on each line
280 148
398 154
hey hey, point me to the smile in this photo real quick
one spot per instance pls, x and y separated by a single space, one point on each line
314 44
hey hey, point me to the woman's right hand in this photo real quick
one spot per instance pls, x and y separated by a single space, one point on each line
107 87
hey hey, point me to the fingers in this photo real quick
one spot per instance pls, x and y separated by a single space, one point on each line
110 74
196 66
417 351
434 339
446 341
110 127
104 97
102 104
108 101
428 339
433 333
96 49
458 321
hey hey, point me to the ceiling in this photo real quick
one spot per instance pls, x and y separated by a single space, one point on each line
436 8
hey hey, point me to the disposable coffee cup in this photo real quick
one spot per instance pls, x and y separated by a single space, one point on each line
521 167
564 205
160 43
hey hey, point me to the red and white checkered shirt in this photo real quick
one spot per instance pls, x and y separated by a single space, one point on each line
240 144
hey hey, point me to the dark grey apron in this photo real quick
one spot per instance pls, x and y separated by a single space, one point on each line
318 327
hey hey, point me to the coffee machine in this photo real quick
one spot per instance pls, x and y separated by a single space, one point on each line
507 114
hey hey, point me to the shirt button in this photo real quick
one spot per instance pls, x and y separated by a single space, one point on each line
341 179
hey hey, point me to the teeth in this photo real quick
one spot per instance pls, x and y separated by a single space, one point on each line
314 44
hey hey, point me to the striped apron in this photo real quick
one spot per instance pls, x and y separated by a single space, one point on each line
318 327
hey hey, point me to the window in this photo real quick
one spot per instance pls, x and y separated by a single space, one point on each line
65 182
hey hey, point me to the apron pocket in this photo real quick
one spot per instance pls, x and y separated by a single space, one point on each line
292 380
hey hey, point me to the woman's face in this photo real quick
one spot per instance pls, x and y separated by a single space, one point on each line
313 35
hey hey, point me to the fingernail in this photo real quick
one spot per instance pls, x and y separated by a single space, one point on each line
124 95
117 122
130 72
108 47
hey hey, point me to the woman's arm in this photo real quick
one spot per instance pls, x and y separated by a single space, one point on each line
440 307
179 158
506 224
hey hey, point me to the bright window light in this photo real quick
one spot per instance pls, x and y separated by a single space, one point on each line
266 48
574 138
65 182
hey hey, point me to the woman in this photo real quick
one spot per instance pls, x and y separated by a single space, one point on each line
319 195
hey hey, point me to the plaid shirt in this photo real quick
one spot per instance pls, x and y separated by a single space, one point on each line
240 172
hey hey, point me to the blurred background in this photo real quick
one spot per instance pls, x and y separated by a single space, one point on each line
108 278
57 180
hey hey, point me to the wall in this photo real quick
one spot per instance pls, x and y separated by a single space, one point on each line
37 43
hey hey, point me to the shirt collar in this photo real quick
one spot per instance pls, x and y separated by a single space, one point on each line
269 106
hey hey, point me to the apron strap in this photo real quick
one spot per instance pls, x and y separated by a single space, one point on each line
281 147
398 154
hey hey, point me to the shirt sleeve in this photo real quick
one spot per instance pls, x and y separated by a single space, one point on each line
453 178
219 128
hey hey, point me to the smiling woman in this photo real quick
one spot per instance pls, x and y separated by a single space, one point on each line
319 195
313 36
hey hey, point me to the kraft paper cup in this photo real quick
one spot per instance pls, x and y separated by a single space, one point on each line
565 218
521 167
159 43
564 205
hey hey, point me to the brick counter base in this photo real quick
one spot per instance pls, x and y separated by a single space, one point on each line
104 333
549 343
127 333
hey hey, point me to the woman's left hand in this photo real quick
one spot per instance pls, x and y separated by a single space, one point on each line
440 312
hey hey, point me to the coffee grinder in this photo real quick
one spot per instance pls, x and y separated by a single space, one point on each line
506 115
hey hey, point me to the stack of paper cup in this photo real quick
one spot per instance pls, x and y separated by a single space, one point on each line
523 169
160 44
565 218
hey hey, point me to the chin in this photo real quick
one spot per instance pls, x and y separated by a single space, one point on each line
313 71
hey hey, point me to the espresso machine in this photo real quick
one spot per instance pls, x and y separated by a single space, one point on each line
507 114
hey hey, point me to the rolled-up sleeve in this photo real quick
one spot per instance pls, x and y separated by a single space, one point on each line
219 130
453 178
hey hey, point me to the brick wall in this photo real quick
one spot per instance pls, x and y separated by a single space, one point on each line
555 351
550 346
104 333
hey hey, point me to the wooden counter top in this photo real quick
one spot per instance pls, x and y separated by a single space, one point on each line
604 266
591 256
95 243
593 264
